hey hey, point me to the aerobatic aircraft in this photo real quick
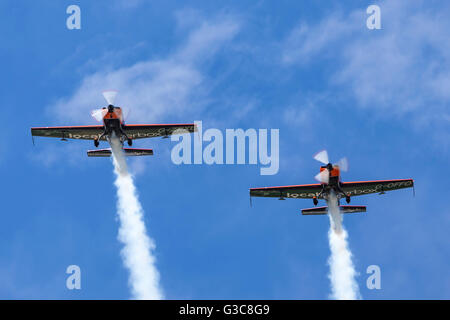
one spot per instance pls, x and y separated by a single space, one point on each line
330 183
113 124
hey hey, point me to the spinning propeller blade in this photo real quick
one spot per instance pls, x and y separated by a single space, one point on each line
322 156
98 114
110 96
343 164
323 176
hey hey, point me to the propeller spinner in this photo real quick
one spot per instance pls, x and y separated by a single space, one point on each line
110 97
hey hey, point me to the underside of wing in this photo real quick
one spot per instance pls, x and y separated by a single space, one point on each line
74 132
306 191
358 188
141 131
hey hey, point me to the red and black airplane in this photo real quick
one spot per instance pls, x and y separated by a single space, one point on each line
113 125
330 182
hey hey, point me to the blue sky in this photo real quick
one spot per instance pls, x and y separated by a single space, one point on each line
312 70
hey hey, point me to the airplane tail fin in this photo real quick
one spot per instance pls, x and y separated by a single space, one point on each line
324 210
129 152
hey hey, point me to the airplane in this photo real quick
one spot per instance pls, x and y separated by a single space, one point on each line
113 125
330 183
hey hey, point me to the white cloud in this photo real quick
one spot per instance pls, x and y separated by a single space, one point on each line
306 42
155 89
402 68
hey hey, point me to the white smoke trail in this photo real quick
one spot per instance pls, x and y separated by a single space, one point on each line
342 271
138 247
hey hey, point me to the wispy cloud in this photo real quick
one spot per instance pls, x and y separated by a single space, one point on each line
308 42
128 4
155 88
49 155
402 68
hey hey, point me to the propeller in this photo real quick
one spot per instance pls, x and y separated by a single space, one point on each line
324 175
110 97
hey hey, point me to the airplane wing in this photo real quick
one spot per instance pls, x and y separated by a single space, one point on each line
305 191
358 188
75 132
140 131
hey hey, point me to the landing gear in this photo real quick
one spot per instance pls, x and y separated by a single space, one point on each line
97 139
321 194
124 136
347 199
339 189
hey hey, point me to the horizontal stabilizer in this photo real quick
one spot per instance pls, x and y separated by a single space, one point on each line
324 210
129 152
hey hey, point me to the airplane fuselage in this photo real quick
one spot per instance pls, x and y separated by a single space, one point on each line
333 184
113 125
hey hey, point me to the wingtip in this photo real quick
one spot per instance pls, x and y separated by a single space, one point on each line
32 136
